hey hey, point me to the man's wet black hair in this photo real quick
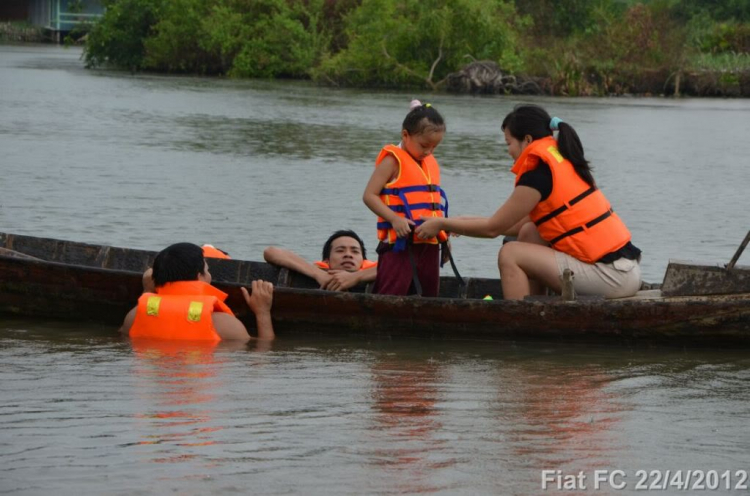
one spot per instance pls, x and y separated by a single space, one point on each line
421 118
178 262
340 234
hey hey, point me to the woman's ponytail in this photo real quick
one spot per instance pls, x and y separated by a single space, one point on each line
571 148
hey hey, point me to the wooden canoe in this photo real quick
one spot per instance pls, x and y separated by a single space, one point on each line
56 279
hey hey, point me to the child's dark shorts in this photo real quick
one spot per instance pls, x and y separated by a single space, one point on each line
395 275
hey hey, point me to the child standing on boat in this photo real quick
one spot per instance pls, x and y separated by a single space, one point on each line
562 220
403 189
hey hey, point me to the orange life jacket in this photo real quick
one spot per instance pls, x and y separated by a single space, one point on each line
415 192
210 251
179 310
366 264
576 218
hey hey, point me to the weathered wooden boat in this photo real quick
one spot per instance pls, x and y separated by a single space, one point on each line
50 278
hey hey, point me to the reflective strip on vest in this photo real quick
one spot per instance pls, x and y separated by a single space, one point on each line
152 305
194 311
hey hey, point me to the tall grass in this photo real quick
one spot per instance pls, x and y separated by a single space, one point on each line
720 62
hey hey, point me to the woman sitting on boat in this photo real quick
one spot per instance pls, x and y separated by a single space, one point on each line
562 220
185 306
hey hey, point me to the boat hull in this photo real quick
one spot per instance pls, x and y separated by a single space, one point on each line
57 289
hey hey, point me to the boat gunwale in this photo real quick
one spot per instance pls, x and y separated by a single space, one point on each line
534 301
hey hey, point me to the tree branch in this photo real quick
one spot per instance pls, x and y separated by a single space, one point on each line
440 56
408 70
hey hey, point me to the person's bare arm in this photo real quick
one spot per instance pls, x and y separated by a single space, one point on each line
507 218
128 322
229 327
342 280
148 281
513 231
148 287
260 302
290 260
387 169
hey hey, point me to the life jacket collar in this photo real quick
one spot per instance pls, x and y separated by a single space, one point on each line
530 156
366 264
191 288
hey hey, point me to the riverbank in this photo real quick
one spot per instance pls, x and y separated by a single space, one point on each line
598 49
16 32
485 77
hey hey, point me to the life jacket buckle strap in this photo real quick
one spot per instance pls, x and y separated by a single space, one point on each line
565 206
583 227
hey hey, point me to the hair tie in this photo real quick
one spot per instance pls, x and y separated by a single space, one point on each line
414 104
554 123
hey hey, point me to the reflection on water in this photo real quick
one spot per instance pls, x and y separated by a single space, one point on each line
567 411
405 437
176 383
83 413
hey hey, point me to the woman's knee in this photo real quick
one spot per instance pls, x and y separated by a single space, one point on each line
508 256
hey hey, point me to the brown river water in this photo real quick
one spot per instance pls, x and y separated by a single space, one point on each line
144 161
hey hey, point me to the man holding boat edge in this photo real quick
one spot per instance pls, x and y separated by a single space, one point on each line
184 305
344 262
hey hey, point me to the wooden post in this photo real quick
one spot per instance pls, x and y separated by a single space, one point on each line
736 256
568 291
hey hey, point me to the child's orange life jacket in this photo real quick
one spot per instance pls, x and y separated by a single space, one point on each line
415 193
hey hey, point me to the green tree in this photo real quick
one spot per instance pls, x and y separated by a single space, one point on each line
176 43
413 42
118 38
267 38
559 19
244 38
724 10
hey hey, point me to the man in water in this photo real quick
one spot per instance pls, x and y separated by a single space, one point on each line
184 305
344 262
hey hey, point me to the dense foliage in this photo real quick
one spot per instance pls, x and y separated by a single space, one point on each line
411 42
576 47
